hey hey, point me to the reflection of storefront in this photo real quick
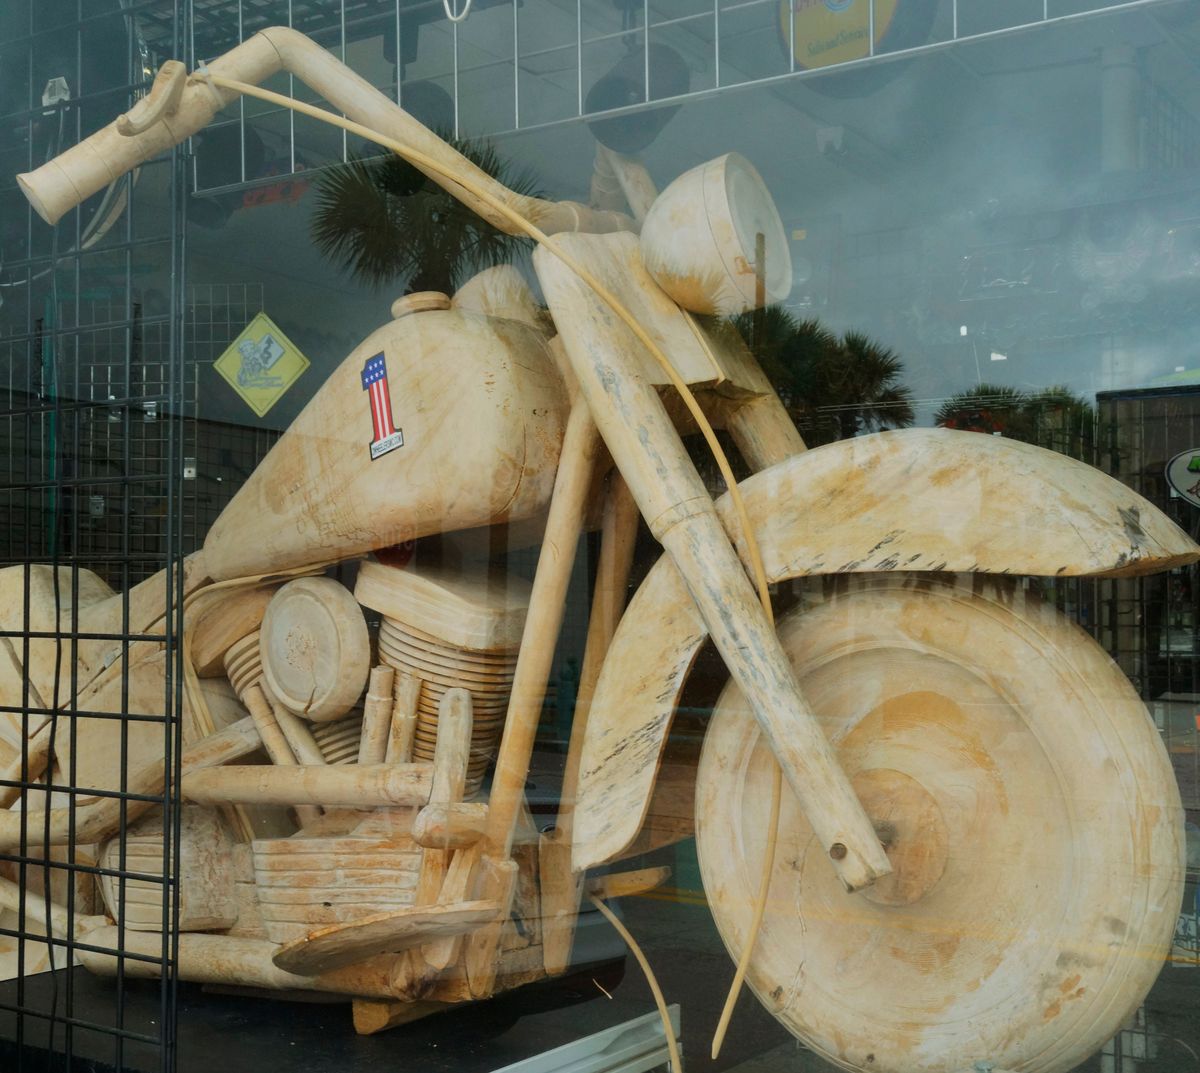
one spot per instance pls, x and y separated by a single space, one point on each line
1151 624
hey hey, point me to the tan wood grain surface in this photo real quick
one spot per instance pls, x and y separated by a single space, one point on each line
699 239
1030 812
315 648
481 410
384 933
970 503
351 786
673 499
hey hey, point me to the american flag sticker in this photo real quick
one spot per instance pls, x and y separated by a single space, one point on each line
374 381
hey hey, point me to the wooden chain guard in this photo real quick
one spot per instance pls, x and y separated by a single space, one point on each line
1033 819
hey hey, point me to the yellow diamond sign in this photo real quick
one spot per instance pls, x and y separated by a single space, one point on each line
261 364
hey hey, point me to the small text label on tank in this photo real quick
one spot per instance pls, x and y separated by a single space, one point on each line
374 381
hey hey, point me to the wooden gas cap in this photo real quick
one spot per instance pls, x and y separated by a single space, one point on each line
419 302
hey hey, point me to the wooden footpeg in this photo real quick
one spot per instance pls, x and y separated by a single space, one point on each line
453 826
383 933
625 884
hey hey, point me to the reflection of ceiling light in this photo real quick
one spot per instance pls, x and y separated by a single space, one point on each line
56 92
997 356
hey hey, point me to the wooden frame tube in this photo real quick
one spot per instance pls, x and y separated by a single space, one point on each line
48 914
231 961
264 709
273 738
561 889
581 445
617 540
377 716
343 786
568 506
763 431
98 818
37 754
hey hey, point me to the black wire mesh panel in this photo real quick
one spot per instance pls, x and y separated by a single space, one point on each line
92 404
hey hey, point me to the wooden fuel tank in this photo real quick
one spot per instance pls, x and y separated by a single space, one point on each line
440 420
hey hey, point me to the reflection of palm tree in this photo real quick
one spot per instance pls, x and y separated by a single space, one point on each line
860 379
1052 418
383 220
834 387
988 408
1065 422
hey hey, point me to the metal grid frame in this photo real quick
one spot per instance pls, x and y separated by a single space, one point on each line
1172 132
221 455
92 411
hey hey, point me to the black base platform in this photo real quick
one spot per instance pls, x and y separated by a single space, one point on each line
234 1033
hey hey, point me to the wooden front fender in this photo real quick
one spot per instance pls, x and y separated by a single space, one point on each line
909 500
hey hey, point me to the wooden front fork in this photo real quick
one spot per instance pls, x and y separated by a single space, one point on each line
680 512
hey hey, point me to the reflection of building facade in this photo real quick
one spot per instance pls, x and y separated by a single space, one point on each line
1153 623
1151 626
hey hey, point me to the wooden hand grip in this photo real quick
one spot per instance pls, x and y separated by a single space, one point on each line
162 101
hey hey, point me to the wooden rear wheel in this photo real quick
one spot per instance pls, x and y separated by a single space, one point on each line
1029 810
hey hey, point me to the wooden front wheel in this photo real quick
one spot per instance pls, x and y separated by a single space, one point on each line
1030 813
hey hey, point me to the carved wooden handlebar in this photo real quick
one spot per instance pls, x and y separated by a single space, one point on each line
175 111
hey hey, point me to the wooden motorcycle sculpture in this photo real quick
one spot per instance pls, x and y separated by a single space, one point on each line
979 838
